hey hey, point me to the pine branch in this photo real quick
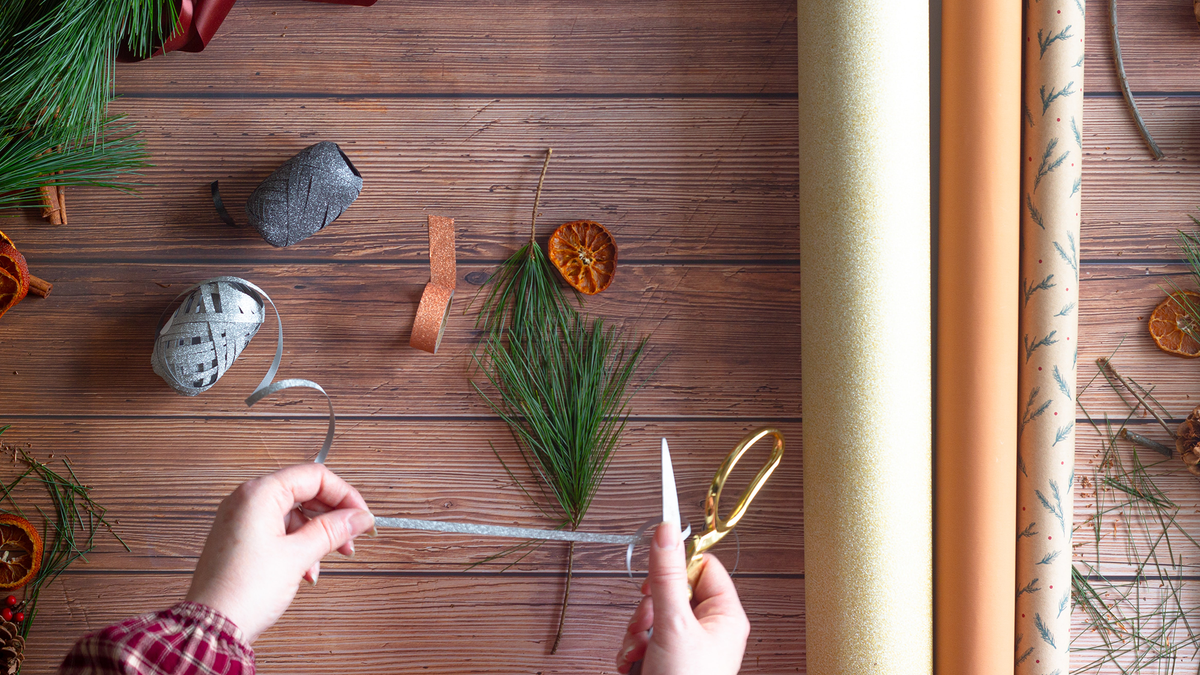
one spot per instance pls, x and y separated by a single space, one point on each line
1030 288
1044 631
1048 99
1024 656
1062 383
1030 348
1071 259
1063 433
1078 136
1028 116
1064 603
1030 588
1047 166
1076 186
1048 558
1033 212
1063 34
1054 509
1030 414
1028 531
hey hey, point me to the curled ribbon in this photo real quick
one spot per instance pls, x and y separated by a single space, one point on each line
207 332
434 309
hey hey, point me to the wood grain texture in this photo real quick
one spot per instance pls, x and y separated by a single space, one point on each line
673 180
1160 46
1133 205
720 333
422 468
379 623
525 47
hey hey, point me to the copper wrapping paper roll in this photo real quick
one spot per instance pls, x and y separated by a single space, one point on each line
1051 183
434 308
865 335
978 241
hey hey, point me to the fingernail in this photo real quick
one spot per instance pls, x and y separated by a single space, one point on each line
666 537
623 657
350 545
362 521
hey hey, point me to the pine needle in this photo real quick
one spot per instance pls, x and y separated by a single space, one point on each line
66 535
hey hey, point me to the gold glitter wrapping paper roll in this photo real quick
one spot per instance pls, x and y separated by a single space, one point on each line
434 309
978 265
865 335
1051 183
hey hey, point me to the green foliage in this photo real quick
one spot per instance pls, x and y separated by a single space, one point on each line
67 536
58 57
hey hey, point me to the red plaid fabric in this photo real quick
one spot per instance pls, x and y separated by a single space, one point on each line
188 639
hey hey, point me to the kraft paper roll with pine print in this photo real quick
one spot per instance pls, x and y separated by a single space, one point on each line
866 336
1051 178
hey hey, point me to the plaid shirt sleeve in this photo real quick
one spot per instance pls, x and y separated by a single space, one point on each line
187 639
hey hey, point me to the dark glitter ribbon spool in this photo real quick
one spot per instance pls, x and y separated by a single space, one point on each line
301 197
208 331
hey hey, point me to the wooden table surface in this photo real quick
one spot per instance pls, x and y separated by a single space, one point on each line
673 123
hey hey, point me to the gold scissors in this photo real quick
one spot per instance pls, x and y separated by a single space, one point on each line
716 527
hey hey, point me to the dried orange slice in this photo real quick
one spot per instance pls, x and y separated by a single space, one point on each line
585 254
20 551
14 275
1171 327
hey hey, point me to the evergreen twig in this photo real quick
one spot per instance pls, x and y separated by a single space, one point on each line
1125 91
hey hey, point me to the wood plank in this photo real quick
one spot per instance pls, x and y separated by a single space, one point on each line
433 469
387 624
1133 205
1115 303
691 179
1158 47
727 338
527 47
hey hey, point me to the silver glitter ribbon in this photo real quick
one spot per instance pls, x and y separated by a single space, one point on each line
208 331
627 540
302 196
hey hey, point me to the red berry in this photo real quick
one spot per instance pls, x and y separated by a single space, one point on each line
20 617
6 614
11 600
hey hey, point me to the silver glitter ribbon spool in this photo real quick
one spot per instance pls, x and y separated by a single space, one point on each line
302 196
208 331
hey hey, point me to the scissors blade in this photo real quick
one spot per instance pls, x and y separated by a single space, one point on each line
670 498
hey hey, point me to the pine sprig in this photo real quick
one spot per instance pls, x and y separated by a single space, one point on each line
57 57
69 535
61 156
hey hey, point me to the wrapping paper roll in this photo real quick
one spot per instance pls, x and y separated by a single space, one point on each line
865 335
978 264
434 308
1051 181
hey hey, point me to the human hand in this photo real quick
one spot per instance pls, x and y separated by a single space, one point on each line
708 639
261 546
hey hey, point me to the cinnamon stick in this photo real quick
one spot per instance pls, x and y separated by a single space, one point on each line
51 204
39 287
62 203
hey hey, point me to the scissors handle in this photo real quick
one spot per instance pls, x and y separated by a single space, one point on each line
716 527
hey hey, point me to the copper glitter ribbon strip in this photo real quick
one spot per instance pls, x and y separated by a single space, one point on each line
434 309
267 387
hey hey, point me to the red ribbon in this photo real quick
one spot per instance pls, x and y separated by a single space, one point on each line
198 23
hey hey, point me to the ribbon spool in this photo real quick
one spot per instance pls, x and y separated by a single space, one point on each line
434 309
301 197
208 331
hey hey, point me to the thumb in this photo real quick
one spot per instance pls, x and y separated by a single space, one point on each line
327 532
668 580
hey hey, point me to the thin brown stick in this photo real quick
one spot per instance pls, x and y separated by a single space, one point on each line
51 206
537 198
62 203
1120 64
1108 369
39 287
562 614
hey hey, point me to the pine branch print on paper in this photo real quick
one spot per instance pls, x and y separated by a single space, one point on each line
1028 115
1033 212
1061 35
1044 630
1024 656
1078 136
1075 187
1048 558
1063 433
1031 347
1066 310
1062 383
1047 166
1056 508
1030 414
1073 258
1030 588
1030 288
1064 603
1047 99
1028 531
